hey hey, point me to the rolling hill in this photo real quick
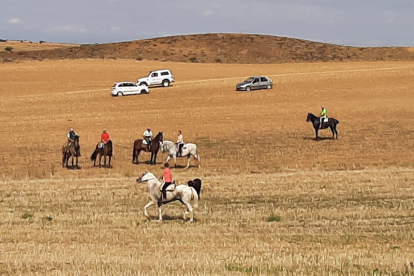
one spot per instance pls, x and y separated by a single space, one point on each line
218 48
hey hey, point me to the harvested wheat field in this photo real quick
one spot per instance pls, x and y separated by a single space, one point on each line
274 200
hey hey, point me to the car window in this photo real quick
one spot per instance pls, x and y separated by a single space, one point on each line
249 79
256 81
166 73
154 75
262 79
121 85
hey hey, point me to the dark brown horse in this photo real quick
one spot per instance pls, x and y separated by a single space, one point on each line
331 123
105 151
140 146
72 151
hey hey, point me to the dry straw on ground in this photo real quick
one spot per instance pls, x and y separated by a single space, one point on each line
274 200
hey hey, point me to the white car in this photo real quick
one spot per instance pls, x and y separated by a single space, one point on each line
158 77
128 88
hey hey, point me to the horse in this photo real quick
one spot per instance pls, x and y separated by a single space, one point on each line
187 150
140 146
182 193
106 150
72 151
332 122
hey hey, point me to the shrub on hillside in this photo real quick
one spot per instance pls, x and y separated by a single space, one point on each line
9 49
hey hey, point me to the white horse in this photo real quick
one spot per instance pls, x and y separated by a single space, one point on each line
187 150
183 193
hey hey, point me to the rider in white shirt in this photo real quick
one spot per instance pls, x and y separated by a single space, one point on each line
147 135
180 143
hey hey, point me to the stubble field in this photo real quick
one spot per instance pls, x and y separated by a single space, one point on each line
274 200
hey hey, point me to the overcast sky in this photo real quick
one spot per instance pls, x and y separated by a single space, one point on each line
348 22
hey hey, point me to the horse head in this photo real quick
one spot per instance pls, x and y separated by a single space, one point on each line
141 178
310 117
145 177
159 137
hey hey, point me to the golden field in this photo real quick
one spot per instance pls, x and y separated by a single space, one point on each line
274 200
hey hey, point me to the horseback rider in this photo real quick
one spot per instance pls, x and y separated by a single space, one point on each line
71 139
167 176
180 143
104 139
324 115
147 135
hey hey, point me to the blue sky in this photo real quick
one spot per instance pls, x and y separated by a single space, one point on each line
347 22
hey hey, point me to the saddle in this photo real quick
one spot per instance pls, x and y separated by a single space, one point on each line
170 187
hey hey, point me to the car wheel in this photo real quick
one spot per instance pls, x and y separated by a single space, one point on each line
165 83
269 86
143 91
248 88
119 94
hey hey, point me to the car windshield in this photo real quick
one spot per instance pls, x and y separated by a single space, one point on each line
249 79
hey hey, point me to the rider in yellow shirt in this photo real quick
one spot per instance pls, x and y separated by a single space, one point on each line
324 115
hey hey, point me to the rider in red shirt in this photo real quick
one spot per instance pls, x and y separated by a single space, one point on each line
167 175
104 138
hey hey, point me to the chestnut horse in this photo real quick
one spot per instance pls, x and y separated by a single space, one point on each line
140 146
107 150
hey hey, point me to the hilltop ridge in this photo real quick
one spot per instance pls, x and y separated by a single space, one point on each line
219 48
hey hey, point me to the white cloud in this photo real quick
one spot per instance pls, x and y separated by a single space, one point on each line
15 21
71 29
207 13
115 29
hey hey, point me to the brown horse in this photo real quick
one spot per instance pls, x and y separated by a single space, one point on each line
107 150
140 146
72 151
332 122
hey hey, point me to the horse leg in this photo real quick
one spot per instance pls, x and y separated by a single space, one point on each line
100 158
109 163
336 131
199 160
77 162
104 160
188 161
333 132
316 132
159 214
63 160
189 210
149 204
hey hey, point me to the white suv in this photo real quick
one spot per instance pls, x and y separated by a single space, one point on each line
128 88
158 77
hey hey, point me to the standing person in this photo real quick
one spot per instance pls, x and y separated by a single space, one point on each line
104 139
180 143
167 176
147 135
324 115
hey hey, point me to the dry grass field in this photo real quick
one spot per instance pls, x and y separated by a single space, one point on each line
274 200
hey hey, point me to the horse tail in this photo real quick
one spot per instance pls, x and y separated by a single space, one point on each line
336 121
94 155
194 197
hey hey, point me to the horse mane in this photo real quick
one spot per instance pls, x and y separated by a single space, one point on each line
158 137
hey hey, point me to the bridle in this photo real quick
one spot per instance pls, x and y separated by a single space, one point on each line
139 179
